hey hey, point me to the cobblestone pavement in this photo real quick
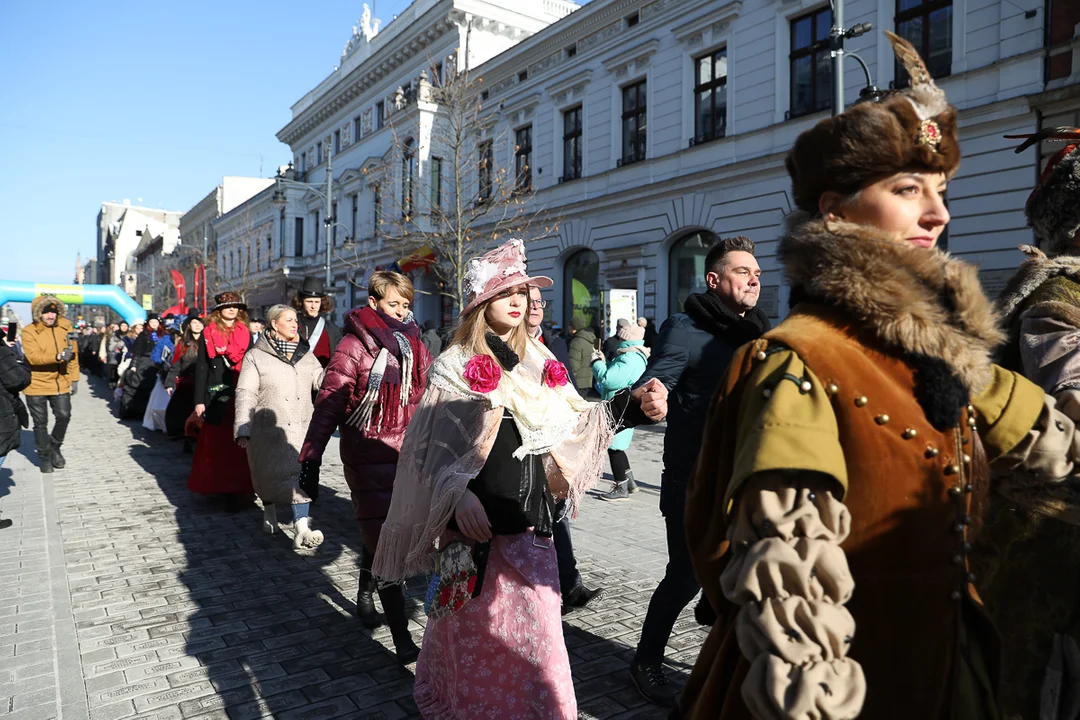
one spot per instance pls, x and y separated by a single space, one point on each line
126 596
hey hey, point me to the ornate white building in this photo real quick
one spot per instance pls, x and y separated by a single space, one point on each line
652 126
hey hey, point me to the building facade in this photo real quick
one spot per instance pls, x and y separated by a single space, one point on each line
651 127
120 229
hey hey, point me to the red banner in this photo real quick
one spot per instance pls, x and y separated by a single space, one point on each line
181 288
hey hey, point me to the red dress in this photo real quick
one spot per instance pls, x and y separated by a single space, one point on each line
220 466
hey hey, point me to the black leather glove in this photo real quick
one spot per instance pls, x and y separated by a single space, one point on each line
74 388
309 478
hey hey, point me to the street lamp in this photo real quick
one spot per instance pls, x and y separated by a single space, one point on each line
283 180
835 45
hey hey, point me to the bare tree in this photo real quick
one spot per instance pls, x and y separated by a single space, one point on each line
246 257
444 197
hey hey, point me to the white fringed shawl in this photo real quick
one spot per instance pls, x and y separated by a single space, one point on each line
449 439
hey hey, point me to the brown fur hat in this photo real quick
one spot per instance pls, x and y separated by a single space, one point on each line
908 130
1053 208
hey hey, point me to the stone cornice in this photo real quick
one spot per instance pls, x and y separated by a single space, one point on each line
638 54
569 83
718 17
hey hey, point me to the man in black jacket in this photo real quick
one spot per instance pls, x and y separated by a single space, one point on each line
14 377
574 592
690 357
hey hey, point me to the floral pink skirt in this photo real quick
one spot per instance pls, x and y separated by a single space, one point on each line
502 656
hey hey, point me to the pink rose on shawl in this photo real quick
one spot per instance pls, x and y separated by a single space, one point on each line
555 374
483 373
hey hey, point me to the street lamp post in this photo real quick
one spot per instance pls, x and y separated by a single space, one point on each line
283 181
835 43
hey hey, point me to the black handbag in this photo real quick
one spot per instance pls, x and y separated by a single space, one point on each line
220 397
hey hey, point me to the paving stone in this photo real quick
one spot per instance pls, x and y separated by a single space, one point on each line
169 609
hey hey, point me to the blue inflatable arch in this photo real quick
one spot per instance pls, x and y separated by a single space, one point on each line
108 295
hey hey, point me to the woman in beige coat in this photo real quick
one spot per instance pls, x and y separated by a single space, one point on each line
273 408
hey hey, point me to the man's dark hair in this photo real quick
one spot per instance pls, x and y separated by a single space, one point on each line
722 247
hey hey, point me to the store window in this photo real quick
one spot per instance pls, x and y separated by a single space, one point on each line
686 274
581 293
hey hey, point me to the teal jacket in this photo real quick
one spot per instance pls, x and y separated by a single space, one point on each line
622 372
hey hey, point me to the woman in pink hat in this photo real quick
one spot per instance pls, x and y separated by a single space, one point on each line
499 435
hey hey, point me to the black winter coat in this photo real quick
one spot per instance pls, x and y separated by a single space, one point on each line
691 362
14 376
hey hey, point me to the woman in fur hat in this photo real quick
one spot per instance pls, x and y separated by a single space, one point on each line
220 466
499 434
831 511
1036 603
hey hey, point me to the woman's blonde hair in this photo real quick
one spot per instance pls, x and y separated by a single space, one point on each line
382 280
473 327
277 311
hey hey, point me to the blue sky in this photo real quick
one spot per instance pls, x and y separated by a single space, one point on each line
111 100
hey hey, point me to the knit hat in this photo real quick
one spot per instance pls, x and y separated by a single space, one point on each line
631 332
1053 208
498 270
906 130
578 322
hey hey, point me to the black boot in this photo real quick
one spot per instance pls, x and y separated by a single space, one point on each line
393 602
631 486
58 460
45 461
618 492
365 595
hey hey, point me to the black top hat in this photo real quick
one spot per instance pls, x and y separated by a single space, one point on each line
312 287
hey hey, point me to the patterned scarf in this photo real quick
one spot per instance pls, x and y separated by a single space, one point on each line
390 385
285 349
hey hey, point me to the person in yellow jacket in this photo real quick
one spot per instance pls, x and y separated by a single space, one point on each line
53 358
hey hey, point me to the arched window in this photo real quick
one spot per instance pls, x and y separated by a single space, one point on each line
581 288
686 274
408 177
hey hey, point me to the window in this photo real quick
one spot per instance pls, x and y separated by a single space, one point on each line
436 183
318 153
337 141
523 159
436 74
927 24
380 111
355 197
710 97
303 162
581 289
484 95
332 228
485 168
571 141
315 222
376 209
634 107
357 126
811 68
298 237
686 268
269 250
571 51
408 175
632 20
523 76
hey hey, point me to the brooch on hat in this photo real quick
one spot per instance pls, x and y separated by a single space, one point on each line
930 134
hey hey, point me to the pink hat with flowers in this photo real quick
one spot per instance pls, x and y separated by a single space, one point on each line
495 271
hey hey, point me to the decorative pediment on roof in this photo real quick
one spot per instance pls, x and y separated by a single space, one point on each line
636 58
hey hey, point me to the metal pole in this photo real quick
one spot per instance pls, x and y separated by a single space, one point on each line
837 53
329 209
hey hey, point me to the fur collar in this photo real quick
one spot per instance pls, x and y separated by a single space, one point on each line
918 302
1031 274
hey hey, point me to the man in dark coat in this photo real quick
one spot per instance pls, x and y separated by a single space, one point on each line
690 358
574 592
14 376
314 308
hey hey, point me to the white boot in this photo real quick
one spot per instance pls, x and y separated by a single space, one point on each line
306 537
269 518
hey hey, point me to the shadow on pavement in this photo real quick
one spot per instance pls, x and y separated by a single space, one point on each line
270 627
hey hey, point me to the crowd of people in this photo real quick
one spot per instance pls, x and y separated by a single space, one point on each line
826 482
